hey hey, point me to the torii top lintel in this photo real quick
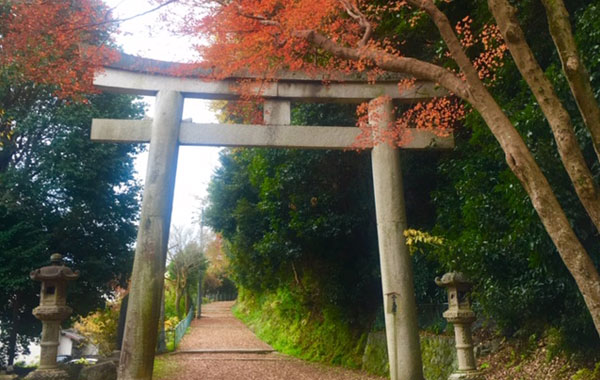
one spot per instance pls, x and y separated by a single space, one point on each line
142 76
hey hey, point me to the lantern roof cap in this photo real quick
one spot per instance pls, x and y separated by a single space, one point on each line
55 271
453 279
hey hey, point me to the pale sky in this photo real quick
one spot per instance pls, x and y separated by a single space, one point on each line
142 37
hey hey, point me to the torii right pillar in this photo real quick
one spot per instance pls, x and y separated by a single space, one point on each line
400 307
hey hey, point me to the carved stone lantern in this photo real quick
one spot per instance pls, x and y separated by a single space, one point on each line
52 311
461 315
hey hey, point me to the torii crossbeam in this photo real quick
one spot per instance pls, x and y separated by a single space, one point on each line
167 131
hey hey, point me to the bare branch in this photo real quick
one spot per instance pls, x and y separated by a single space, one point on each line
116 21
354 12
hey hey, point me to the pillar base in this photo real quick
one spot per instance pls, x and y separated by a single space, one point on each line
48 374
466 375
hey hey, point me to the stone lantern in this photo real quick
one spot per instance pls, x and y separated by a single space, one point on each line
52 311
461 315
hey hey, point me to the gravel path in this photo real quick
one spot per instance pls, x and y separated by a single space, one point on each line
220 347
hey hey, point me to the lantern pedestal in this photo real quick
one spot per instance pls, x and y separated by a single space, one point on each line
467 375
6 376
461 315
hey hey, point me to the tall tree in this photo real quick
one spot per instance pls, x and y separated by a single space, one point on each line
60 192
185 259
266 36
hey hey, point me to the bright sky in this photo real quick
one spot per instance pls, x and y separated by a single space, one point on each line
142 37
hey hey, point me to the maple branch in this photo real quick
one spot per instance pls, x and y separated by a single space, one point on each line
574 69
452 42
263 20
417 68
260 18
168 2
355 13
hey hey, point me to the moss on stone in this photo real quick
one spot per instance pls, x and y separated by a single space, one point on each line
439 356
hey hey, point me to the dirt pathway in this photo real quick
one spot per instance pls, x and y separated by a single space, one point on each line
220 347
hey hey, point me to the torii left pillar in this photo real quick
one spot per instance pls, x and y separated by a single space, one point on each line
143 310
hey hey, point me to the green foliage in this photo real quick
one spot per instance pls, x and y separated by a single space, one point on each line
300 217
164 368
305 219
587 374
186 262
61 192
100 327
170 309
491 230
439 356
375 358
282 320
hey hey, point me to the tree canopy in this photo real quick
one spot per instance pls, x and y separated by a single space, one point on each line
61 192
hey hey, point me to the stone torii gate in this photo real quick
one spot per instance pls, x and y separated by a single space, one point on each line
167 131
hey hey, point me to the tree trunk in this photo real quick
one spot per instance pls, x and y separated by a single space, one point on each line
573 67
523 165
556 114
187 300
178 302
12 339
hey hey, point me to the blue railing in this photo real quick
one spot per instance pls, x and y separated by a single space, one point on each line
182 326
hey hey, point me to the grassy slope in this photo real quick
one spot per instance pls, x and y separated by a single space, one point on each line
280 320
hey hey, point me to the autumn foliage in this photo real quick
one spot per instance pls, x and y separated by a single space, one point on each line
266 37
59 43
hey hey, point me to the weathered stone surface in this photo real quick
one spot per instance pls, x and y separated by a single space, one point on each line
233 135
48 374
396 264
439 356
52 310
72 369
143 309
138 83
467 375
277 112
102 371
438 353
461 315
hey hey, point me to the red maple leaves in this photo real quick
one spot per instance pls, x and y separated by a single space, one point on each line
265 36
55 42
